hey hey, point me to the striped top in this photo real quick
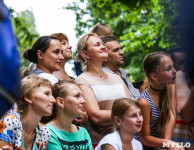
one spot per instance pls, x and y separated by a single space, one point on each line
154 115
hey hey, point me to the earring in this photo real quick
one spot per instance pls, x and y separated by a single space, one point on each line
88 58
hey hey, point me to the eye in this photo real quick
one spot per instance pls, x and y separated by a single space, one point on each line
47 93
64 43
132 116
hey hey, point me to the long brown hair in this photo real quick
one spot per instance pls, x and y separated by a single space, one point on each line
152 64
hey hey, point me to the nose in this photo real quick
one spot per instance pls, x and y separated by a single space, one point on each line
69 46
82 100
174 70
121 52
61 56
52 100
140 118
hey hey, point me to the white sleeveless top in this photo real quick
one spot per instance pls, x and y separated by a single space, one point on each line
109 89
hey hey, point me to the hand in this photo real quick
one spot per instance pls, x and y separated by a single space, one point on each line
81 119
6 147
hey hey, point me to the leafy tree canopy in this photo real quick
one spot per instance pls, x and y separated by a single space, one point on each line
25 32
142 26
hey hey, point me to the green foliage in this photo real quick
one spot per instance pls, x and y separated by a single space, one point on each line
25 32
142 26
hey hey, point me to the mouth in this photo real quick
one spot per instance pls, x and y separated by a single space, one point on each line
139 125
58 63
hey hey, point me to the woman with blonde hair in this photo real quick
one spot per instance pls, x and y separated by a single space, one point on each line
23 130
127 119
156 102
99 89
69 104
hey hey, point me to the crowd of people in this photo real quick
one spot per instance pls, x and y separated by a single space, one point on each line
100 109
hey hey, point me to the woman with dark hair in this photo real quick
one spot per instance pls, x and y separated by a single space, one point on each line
47 54
23 130
67 54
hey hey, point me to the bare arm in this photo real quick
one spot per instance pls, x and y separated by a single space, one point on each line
5 145
182 90
187 110
145 136
185 96
97 116
107 147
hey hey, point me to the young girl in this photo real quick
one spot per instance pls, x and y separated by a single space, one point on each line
23 130
69 104
156 102
127 119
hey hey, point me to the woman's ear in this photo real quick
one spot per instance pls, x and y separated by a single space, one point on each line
84 54
39 54
28 99
154 77
117 121
60 102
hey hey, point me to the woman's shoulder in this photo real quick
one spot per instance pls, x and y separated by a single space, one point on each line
113 139
11 120
43 133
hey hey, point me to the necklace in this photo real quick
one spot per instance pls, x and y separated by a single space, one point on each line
156 89
95 74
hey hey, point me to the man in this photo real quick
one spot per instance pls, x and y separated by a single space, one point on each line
114 62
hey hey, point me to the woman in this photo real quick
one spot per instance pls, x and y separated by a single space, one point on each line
47 54
69 104
127 119
99 89
67 54
156 102
22 130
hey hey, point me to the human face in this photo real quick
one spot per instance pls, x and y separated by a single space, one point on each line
67 52
74 102
166 73
132 120
42 100
96 50
179 60
115 54
52 58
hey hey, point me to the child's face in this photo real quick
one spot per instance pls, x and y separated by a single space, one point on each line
166 73
132 120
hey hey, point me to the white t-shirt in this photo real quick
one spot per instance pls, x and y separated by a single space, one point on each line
115 141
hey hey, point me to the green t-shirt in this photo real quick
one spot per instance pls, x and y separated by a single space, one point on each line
61 140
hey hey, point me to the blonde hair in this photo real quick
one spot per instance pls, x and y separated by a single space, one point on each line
120 106
29 84
102 29
152 64
83 46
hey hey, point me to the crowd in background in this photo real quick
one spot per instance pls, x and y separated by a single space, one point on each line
100 109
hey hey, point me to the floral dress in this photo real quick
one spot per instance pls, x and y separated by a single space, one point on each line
11 132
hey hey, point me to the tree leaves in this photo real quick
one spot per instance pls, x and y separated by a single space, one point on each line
141 26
